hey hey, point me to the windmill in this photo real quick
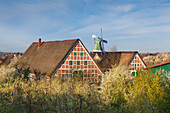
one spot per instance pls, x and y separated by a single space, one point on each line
99 43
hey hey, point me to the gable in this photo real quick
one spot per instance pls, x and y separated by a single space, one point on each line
96 57
136 63
81 61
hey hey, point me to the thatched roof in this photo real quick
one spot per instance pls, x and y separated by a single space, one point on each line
46 58
111 58
7 59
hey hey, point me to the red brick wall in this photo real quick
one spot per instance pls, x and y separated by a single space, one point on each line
79 54
136 64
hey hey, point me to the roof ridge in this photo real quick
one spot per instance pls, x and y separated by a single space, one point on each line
117 52
124 51
57 41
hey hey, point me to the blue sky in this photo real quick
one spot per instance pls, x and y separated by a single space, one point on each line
142 25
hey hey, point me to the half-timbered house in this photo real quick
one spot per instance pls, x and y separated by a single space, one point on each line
131 59
67 58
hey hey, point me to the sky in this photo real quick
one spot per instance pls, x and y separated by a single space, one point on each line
130 25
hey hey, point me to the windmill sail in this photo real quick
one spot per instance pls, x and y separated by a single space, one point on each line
102 40
105 41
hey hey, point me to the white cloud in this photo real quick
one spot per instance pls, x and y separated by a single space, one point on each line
124 8
118 8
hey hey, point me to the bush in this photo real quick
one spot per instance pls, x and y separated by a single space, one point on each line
58 96
164 105
114 85
5 72
145 92
118 93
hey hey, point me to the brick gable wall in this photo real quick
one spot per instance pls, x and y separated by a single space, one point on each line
79 60
136 64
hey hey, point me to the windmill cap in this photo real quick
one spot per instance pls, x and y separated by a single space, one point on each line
93 36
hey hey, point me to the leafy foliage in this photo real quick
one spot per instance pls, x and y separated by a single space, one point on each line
118 93
114 85
146 90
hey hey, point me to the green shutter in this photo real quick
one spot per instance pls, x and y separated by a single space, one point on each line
75 53
81 53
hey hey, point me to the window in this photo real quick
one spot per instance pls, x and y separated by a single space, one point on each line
75 74
75 53
70 62
78 62
81 53
133 74
135 66
100 77
78 75
135 58
85 62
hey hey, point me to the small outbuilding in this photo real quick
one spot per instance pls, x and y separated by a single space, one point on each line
164 68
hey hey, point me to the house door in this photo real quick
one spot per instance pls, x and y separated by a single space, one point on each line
134 74
78 74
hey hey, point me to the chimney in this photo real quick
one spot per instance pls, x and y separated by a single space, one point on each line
39 42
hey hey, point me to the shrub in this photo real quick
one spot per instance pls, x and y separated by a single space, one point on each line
114 85
57 96
118 93
164 105
5 72
145 92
